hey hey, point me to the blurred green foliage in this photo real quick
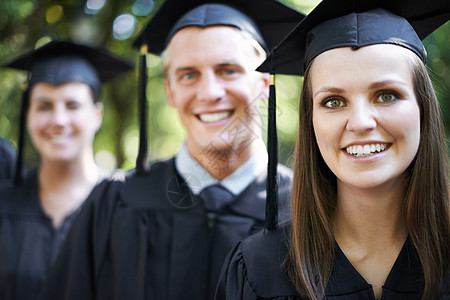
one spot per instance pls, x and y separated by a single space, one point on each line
25 24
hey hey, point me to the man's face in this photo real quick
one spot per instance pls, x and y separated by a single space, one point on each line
210 80
63 120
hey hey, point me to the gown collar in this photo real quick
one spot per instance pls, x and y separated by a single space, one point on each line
405 276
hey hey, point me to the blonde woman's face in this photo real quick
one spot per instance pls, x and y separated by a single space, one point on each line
365 114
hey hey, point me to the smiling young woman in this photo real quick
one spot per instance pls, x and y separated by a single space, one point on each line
370 204
376 105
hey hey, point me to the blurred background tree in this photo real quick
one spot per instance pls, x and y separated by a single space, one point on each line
113 24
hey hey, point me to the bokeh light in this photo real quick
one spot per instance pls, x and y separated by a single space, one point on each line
42 41
106 160
143 7
54 14
92 7
123 26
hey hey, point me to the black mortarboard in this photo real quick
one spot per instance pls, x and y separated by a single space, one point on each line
265 20
353 23
60 62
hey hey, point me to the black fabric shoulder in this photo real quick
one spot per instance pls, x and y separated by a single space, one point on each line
161 188
168 191
13 198
264 253
253 269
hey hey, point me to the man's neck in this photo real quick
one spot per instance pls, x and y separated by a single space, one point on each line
197 177
220 163
64 186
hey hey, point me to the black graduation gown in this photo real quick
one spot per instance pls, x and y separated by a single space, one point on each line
154 240
252 271
7 159
28 241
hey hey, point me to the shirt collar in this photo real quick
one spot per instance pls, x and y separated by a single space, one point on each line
198 177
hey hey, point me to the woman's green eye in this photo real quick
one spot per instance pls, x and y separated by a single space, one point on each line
333 103
386 98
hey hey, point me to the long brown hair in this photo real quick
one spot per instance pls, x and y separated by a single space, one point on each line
426 204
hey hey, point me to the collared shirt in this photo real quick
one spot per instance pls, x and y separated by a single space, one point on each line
198 177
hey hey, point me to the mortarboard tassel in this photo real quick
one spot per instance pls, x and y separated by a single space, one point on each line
272 149
141 160
21 141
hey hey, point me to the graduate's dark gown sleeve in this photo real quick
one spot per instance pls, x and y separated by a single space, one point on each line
73 276
253 269
233 284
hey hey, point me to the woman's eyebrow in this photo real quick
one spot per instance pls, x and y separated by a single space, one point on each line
328 89
379 84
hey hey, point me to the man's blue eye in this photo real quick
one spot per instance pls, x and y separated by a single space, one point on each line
188 76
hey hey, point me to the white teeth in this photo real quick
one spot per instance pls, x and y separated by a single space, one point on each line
359 149
214 117
365 150
59 137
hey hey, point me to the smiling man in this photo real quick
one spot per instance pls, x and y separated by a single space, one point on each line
167 232
210 80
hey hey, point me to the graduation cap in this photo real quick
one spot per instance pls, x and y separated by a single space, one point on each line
353 23
265 20
60 62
